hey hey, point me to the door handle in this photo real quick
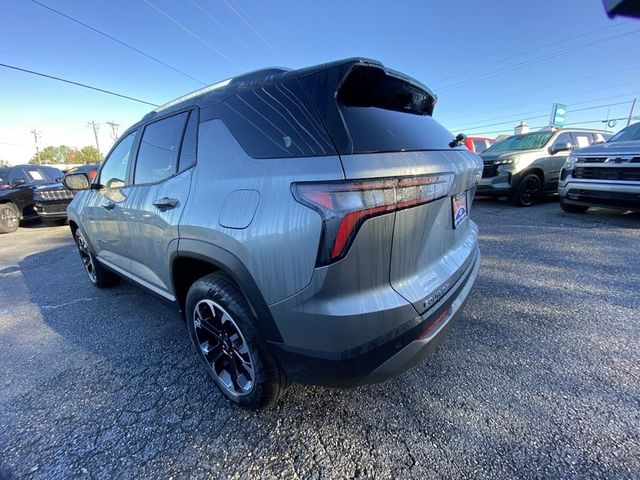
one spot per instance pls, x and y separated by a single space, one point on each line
108 205
165 203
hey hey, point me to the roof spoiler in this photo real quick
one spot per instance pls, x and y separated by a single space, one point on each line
365 83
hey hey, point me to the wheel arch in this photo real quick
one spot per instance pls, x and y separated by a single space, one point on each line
4 201
533 169
195 259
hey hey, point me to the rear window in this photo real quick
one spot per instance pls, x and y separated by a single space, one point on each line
480 145
4 173
274 121
383 113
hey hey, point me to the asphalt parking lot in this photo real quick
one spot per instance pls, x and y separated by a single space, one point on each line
540 378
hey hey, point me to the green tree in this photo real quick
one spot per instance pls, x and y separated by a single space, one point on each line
58 155
88 154
3 163
47 155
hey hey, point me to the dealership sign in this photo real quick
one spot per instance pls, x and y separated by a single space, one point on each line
558 112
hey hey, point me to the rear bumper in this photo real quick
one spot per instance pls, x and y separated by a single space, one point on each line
387 356
623 196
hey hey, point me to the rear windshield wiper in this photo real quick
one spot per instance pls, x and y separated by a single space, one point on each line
459 140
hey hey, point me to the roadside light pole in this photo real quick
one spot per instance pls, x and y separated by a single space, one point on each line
36 138
114 130
95 127
633 105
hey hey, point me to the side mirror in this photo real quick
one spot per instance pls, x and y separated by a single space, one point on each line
560 147
76 181
18 181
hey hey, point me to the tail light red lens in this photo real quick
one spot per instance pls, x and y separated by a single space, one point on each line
345 205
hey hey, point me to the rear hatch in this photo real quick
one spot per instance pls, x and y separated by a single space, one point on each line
381 122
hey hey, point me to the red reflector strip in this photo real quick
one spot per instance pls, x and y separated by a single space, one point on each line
349 222
436 322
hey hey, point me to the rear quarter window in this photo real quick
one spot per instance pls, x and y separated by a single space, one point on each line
273 121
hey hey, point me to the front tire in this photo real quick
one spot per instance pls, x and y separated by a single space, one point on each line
9 220
570 208
98 275
527 191
229 343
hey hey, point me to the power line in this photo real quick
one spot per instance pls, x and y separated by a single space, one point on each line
522 116
566 125
482 121
535 49
84 85
251 27
190 32
112 38
219 23
16 144
536 60
553 85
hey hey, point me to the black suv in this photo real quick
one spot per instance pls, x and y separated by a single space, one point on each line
51 200
16 192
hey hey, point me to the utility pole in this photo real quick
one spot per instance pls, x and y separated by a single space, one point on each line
36 138
95 127
114 130
633 105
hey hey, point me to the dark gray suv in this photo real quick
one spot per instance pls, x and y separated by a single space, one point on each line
313 225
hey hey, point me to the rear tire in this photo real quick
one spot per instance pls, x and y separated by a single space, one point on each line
99 275
570 208
230 345
527 191
9 219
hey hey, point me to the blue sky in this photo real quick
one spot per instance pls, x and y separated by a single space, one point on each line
461 51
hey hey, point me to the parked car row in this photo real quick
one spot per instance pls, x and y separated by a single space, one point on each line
29 192
603 175
587 168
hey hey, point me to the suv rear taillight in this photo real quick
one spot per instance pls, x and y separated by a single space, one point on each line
345 205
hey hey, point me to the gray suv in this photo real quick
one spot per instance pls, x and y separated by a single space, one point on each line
603 175
312 225
526 166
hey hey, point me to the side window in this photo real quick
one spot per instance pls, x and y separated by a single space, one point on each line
480 145
51 174
189 143
158 152
114 170
582 139
35 175
16 173
563 138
